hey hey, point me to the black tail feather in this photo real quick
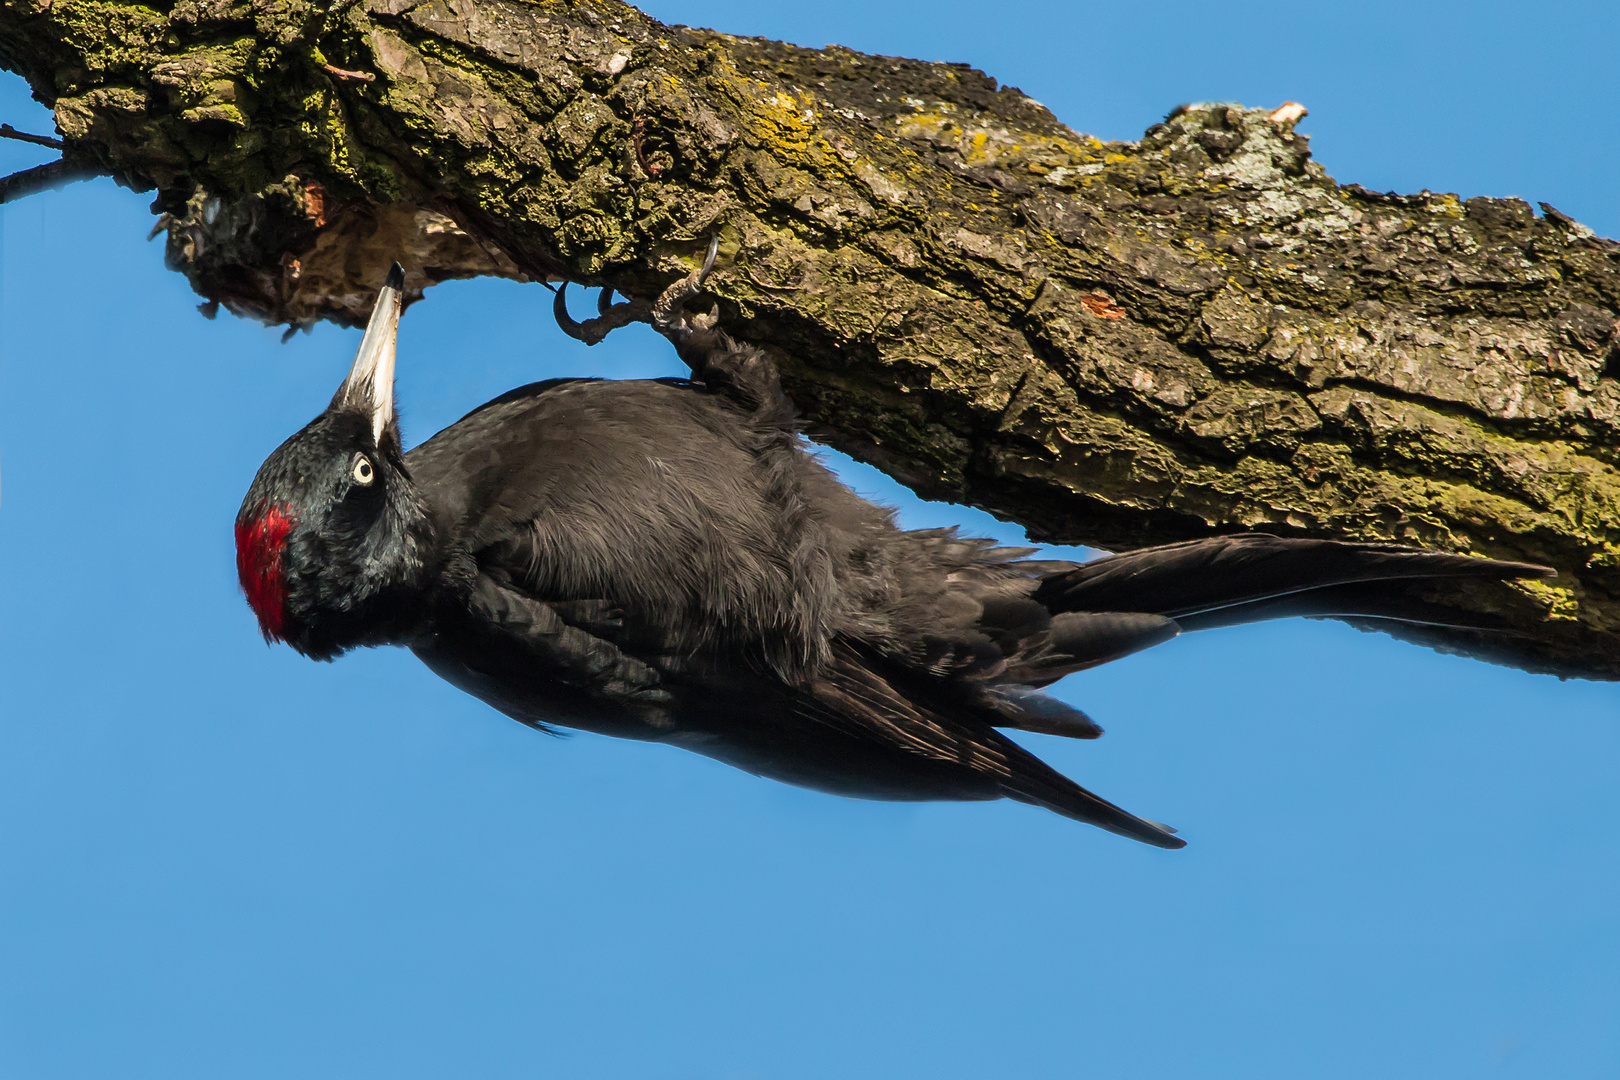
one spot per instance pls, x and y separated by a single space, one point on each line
1033 781
1364 600
1027 709
1080 640
1201 576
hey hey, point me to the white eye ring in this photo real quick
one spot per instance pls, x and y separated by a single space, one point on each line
362 472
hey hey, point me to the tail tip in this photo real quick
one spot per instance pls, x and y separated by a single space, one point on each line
1166 837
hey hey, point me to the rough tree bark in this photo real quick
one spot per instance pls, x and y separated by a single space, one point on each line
1110 343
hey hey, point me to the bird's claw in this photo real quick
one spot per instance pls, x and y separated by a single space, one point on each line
610 316
708 259
667 314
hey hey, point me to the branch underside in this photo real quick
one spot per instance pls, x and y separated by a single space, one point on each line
1110 343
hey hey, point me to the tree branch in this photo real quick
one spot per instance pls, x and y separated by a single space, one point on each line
9 132
1111 343
46 177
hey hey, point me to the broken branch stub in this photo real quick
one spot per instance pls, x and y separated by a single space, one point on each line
1111 343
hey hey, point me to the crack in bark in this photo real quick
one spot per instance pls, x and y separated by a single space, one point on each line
1111 343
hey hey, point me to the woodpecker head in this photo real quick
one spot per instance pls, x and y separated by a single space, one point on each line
332 530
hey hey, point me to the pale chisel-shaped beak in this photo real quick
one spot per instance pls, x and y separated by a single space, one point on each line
369 389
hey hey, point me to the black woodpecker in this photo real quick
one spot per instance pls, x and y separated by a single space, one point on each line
664 560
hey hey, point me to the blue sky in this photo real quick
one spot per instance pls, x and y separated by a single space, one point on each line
218 859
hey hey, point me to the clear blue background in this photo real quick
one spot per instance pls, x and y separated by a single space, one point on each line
220 860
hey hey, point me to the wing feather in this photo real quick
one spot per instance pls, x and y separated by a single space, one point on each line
570 654
855 696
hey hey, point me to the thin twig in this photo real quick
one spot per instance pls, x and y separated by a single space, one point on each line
47 177
344 73
9 132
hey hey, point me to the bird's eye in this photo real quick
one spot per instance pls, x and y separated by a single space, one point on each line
362 472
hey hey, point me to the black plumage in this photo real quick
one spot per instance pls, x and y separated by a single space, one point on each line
664 560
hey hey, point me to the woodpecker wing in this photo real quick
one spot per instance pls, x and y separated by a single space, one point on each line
856 698
570 654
